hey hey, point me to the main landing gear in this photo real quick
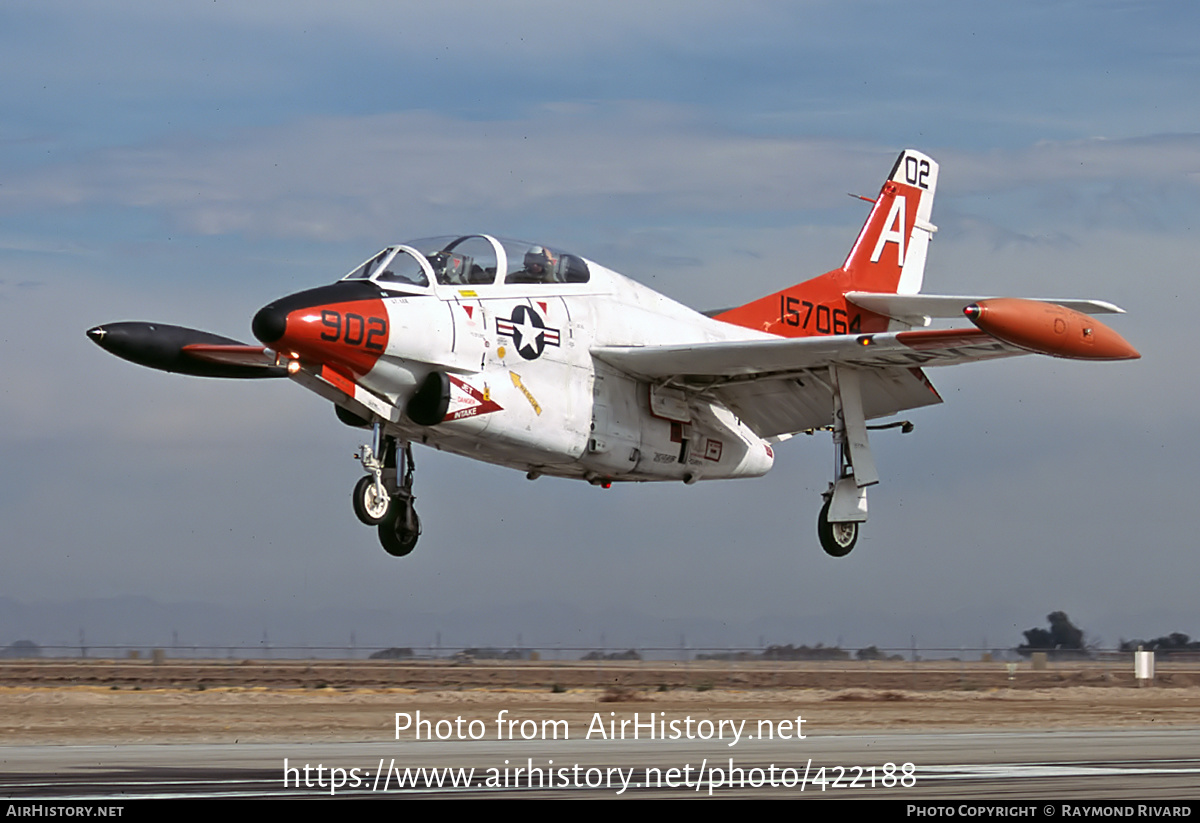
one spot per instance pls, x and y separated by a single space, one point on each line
384 498
845 505
854 468
837 539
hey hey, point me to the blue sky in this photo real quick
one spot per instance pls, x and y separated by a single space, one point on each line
189 162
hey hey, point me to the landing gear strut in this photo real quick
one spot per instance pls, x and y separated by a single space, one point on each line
846 499
384 498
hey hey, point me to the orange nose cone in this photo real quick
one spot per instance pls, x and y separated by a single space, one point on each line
1049 329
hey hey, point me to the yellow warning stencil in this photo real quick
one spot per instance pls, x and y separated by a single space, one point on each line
516 378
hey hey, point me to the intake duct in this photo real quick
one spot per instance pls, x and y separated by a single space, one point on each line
428 406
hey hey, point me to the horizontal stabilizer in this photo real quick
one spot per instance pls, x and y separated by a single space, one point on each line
918 309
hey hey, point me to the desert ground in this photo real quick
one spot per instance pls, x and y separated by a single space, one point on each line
175 701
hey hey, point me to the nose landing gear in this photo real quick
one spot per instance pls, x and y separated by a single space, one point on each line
384 497
399 532
371 501
399 535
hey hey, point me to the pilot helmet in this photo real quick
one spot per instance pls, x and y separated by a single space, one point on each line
539 260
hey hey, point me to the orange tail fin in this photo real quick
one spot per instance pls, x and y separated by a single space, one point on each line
888 257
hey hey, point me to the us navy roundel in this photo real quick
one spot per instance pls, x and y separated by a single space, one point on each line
528 331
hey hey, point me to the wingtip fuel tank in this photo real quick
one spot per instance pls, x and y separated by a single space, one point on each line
1047 328
164 347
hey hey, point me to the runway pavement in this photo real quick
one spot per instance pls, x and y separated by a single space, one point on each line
1125 765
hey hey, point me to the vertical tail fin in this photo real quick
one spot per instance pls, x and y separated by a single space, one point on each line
888 256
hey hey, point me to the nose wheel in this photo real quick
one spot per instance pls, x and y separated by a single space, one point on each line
384 497
371 501
399 534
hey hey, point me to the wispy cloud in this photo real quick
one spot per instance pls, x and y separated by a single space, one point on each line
334 178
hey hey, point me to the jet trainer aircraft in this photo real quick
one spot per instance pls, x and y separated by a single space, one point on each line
525 356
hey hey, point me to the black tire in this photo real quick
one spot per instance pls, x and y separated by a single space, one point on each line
397 540
837 539
366 507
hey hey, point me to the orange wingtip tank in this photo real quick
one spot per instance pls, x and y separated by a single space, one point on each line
1050 329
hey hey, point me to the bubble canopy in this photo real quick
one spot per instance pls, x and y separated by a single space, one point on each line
470 260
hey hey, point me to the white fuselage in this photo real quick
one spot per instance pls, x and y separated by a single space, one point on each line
527 393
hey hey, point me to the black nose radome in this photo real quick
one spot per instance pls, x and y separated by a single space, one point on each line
270 323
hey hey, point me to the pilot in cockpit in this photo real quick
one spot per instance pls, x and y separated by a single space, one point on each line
539 267
449 268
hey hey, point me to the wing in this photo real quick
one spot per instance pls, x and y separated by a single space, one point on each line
781 386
